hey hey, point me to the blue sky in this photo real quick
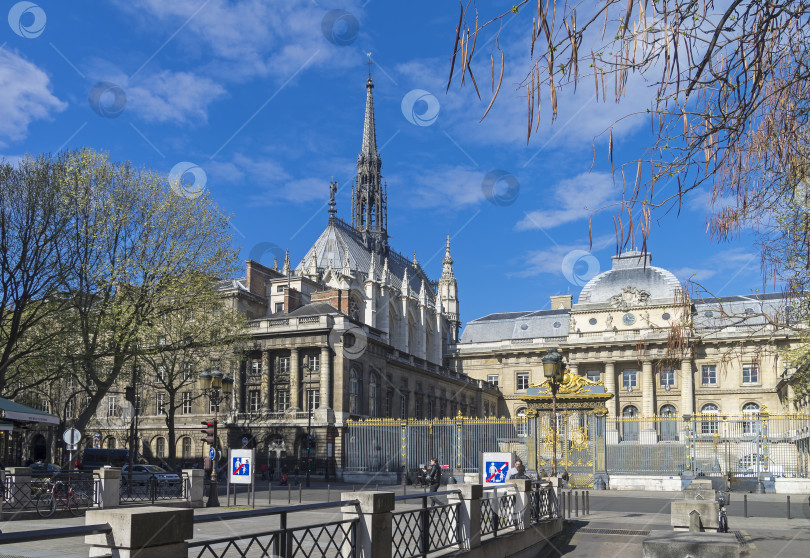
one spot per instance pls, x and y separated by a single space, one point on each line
267 99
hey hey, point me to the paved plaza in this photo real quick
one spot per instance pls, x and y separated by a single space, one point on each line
616 525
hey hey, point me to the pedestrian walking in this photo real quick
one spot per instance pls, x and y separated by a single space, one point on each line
434 477
565 478
512 473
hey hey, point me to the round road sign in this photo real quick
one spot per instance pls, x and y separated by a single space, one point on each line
212 453
71 436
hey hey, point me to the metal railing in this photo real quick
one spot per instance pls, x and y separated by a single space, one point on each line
153 490
420 531
332 539
543 502
58 533
498 512
23 493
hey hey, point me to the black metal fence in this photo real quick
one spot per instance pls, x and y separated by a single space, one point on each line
23 493
417 532
498 511
333 539
153 489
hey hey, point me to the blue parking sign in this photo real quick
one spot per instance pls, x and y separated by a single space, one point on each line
495 471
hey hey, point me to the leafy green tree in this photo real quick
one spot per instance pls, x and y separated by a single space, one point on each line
33 257
205 334
139 251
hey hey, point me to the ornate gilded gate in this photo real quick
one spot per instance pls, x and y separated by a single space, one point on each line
580 424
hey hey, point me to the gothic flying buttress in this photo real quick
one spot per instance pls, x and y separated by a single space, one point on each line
369 195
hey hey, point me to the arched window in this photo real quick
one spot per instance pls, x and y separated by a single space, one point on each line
186 447
520 425
667 411
160 448
751 422
372 396
709 425
354 393
629 412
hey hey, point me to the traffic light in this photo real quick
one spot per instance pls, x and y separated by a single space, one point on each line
310 441
210 426
129 394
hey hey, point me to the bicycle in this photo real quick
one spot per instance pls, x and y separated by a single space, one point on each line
59 493
722 518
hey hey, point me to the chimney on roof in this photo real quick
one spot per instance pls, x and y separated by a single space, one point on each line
561 302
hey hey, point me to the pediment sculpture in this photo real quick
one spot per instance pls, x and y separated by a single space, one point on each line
629 297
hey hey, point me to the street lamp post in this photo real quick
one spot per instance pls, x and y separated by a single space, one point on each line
215 386
554 372
309 440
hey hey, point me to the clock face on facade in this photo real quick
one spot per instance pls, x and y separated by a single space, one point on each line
629 319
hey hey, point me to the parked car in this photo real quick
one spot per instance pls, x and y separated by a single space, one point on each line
141 474
751 464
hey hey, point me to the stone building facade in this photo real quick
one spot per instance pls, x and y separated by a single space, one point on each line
658 352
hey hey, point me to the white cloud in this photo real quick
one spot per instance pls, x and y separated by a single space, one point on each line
551 260
25 96
268 181
178 97
574 198
162 96
446 186
581 119
729 263
245 38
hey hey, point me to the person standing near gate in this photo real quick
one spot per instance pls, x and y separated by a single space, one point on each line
434 477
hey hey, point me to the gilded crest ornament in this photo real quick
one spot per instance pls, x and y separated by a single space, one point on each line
571 384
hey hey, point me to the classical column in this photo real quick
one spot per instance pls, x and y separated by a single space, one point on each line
647 385
295 378
574 368
266 387
610 387
611 433
326 391
648 434
687 387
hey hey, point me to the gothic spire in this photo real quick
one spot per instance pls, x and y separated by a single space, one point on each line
369 203
369 147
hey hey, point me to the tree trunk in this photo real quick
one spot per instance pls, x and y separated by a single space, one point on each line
170 411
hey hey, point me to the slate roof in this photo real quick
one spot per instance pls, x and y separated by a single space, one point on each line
314 309
748 310
516 325
339 239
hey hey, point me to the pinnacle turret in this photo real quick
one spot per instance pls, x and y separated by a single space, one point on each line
447 262
286 269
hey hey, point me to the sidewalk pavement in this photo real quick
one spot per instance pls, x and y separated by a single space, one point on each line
768 532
